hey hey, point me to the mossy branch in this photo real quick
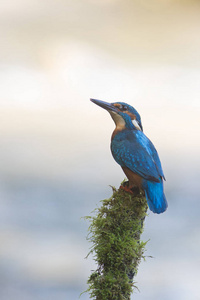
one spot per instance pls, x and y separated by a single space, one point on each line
115 234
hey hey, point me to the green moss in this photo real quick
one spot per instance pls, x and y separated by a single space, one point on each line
115 235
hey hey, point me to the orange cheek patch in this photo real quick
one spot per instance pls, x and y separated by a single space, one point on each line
133 117
117 105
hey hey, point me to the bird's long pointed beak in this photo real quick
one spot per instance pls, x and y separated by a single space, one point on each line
105 105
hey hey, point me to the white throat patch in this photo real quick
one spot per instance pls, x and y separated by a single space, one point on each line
136 124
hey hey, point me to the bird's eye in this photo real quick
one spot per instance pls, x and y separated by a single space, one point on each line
124 107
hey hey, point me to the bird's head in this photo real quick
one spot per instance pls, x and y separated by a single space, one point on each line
123 114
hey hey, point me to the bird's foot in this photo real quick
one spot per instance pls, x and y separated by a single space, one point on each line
126 189
133 190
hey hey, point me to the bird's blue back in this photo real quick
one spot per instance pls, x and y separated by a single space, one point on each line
131 148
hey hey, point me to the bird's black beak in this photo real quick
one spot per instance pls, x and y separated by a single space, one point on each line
105 105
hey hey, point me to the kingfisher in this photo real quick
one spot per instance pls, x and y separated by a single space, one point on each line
136 154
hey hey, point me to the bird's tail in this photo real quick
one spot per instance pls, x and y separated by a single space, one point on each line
155 196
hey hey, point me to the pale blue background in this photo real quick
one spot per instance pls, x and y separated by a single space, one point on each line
56 163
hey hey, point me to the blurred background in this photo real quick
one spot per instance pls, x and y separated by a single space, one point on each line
56 164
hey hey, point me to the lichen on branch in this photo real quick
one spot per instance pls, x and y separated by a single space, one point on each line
115 231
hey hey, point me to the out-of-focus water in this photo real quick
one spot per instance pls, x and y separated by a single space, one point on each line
56 164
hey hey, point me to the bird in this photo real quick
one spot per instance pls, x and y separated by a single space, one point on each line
136 154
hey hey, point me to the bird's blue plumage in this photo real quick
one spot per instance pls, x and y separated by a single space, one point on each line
155 196
152 151
132 149
129 150
136 154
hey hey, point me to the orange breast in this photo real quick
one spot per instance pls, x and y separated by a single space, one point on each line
114 133
134 179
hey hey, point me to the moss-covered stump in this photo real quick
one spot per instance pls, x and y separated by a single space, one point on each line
115 233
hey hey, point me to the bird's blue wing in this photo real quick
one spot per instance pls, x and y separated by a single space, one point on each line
153 152
132 150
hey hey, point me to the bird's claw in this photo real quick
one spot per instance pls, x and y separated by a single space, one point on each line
132 190
126 188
